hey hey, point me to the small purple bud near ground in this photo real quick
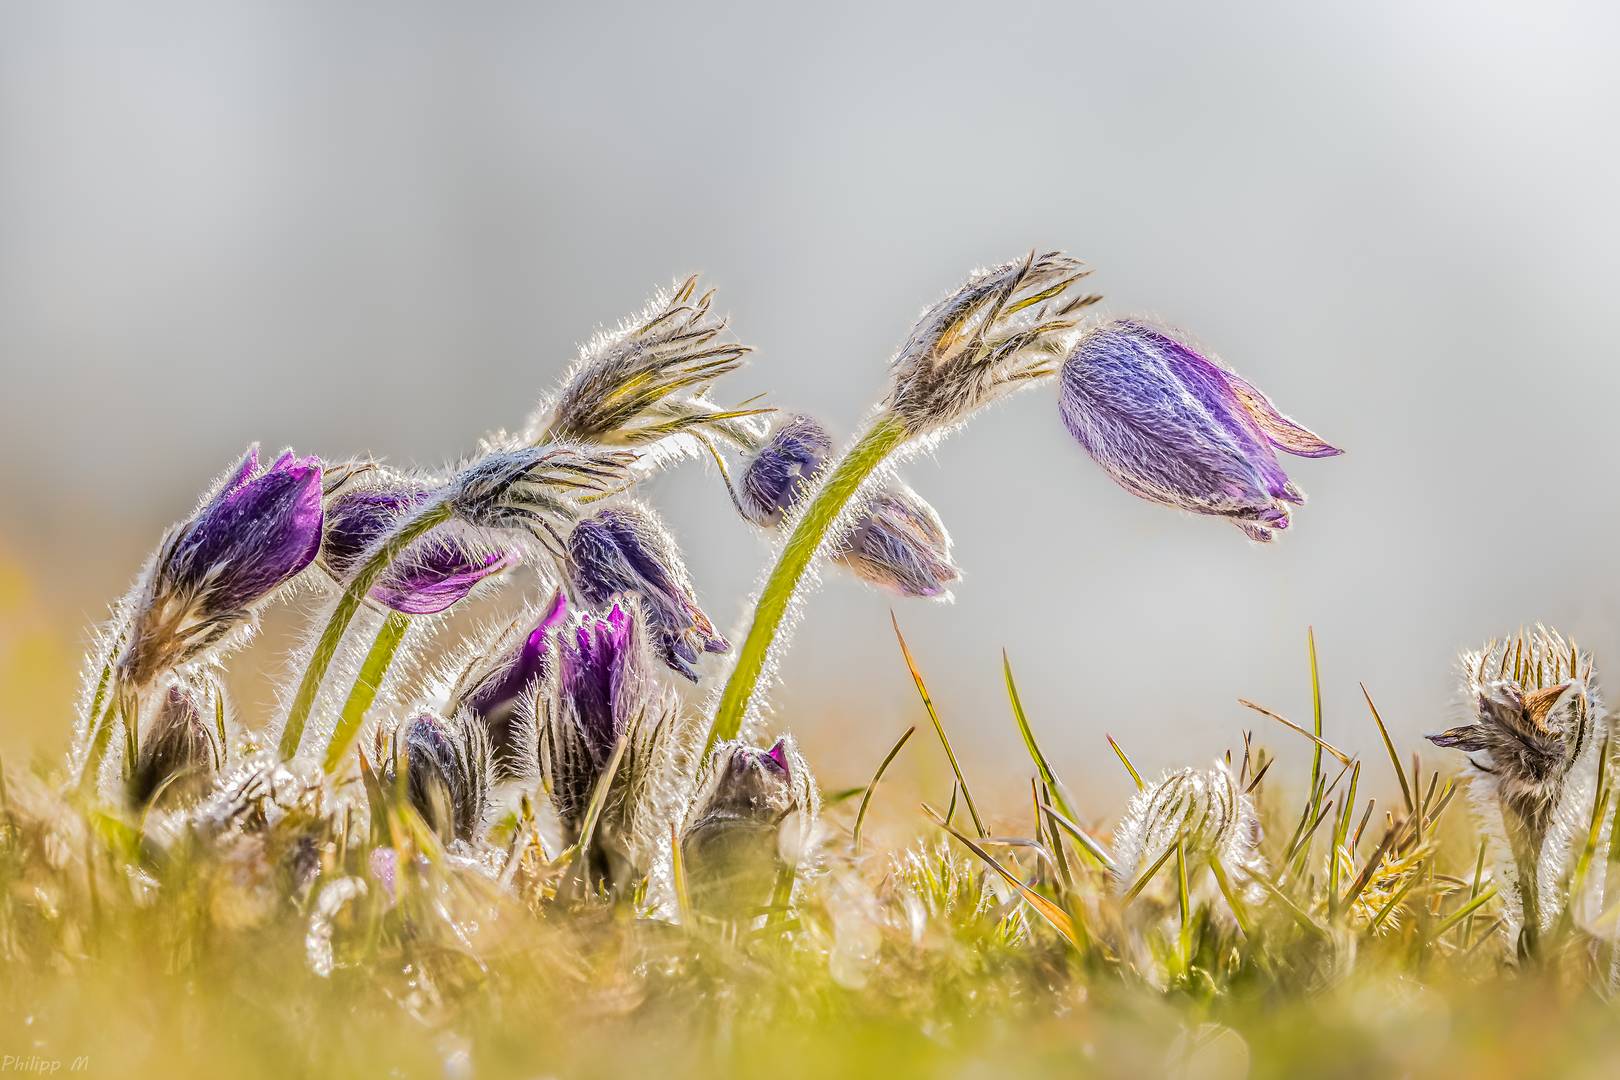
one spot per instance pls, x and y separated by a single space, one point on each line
428 577
1176 428
730 844
257 532
625 550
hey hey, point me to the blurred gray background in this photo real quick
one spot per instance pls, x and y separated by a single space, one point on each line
386 227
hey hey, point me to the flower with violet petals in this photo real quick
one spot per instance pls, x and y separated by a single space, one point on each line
625 550
1177 428
602 695
254 534
502 695
429 576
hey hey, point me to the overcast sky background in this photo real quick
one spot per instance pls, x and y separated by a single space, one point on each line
386 227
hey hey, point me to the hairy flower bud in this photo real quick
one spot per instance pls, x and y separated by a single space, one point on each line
898 543
429 576
645 381
180 753
528 489
781 472
254 534
446 774
730 844
625 550
501 694
1535 733
1176 428
1202 811
894 540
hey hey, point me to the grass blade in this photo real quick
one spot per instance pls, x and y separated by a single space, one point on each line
1056 916
1053 784
939 728
866 799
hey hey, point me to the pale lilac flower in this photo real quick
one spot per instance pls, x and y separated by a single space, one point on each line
1174 427
625 550
898 543
429 576
251 537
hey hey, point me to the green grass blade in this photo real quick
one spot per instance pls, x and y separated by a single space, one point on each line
1053 784
939 728
883 767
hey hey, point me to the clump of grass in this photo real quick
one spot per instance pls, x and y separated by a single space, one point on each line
514 851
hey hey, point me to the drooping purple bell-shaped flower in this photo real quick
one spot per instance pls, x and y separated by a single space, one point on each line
1174 427
625 550
782 471
429 576
257 532
597 674
502 695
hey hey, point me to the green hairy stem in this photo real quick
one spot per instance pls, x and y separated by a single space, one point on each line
881 439
326 648
364 690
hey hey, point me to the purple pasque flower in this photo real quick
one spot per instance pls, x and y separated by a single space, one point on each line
597 672
625 550
1177 428
254 534
502 696
426 578
782 471
898 543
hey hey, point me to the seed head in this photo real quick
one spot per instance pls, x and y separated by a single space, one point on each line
255 533
180 755
430 575
995 334
1176 428
500 692
532 489
625 550
646 381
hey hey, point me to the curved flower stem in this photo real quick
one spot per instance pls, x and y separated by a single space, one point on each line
349 603
881 439
364 690
101 724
